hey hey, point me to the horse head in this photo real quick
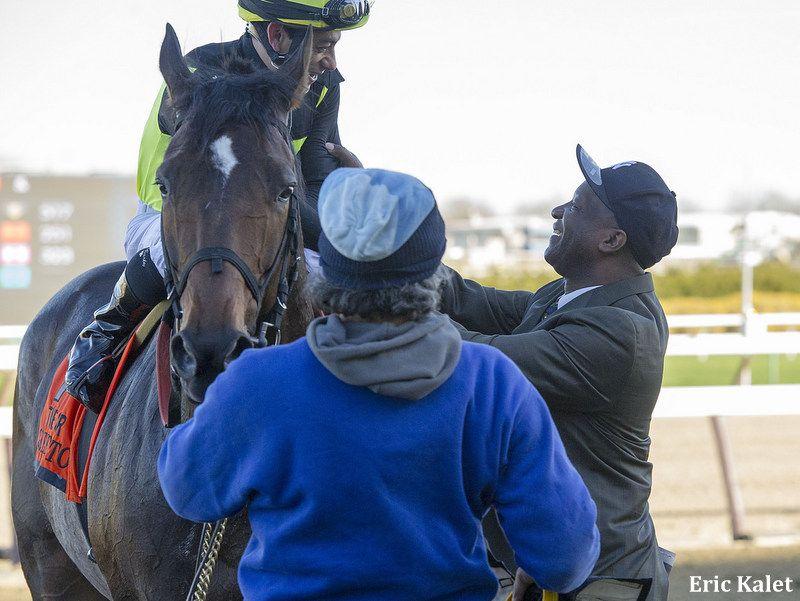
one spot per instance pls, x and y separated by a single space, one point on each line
230 189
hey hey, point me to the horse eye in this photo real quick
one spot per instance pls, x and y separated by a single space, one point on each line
286 195
162 187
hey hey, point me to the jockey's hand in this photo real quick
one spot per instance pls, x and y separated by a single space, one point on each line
344 156
522 583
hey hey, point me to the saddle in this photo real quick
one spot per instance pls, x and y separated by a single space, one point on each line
68 431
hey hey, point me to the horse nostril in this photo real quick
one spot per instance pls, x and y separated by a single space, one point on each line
242 344
183 360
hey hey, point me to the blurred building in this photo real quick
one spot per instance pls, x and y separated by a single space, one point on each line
483 243
52 228
706 237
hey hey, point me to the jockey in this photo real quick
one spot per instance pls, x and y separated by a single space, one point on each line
275 30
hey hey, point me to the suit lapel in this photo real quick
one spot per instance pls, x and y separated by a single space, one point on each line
543 298
611 293
608 294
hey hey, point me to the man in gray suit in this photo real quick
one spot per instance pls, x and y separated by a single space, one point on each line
593 344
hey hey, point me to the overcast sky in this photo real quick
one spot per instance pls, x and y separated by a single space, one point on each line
484 99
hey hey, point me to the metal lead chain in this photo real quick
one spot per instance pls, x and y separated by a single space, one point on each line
212 541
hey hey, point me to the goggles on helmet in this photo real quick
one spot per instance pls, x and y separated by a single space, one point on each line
344 13
335 14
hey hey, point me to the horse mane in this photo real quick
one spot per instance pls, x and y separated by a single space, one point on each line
235 93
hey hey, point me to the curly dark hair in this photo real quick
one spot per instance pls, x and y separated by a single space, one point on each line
409 301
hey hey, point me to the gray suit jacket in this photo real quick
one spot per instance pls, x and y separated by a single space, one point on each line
598 363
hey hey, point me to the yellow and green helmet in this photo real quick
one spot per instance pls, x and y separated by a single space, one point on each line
320 14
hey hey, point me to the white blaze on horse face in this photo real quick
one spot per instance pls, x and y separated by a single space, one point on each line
222 156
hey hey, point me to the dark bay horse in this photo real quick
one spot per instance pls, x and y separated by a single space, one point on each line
229 179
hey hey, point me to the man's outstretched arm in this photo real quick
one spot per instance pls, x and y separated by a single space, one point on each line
482 308
208 464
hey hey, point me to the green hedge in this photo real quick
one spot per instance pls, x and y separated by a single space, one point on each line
707 288
709 281
704 281
764 302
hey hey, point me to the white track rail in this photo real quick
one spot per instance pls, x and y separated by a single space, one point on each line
712 402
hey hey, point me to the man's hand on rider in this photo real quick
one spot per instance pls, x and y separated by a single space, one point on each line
344 156
522 583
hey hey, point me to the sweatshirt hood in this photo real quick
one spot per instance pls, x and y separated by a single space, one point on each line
408 360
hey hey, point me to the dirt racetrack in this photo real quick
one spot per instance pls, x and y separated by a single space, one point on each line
688 502
689 505
690 508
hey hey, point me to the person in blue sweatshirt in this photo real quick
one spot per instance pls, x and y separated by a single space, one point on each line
367 452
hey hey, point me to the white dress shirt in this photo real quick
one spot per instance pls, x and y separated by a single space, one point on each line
571 296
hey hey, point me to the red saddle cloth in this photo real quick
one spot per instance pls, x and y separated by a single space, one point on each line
60 427
63 416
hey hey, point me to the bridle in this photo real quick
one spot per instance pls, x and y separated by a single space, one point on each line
176 280
285 263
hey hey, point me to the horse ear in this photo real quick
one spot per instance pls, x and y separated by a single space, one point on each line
297 68
172 64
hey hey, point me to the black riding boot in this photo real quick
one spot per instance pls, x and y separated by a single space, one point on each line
91 366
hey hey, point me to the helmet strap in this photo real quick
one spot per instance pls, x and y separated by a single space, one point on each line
261 48
261 38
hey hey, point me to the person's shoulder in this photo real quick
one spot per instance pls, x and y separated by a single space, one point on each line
497 388
476 354
272 373
643 304
618 325
491 365
281 351
214 55
622 317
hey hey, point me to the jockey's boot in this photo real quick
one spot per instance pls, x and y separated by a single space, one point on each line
91 364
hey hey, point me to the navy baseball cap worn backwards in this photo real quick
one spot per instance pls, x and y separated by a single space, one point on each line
644 207
379 229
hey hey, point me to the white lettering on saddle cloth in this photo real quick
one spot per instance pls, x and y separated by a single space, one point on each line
222 156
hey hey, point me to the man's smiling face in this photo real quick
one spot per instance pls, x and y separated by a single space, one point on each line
323 56
323 49
581 225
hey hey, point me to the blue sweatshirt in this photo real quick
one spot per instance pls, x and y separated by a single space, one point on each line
359 496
